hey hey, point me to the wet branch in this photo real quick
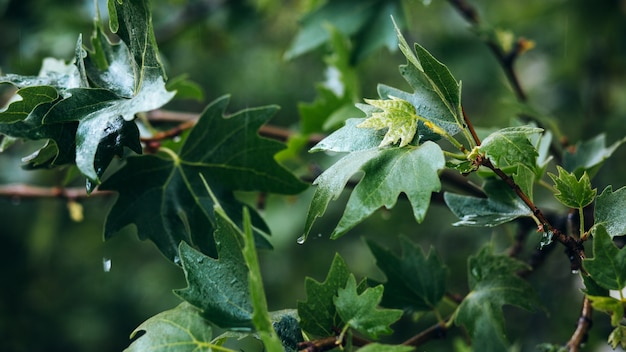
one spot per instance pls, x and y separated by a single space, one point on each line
20 191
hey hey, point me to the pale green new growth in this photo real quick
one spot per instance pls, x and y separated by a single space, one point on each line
398 116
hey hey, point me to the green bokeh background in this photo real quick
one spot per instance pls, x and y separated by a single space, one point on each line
55 294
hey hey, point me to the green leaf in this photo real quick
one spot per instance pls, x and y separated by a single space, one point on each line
318 315
176 330
589 155
164 196
219 287
609 305
415 282
360 311
573 192
608 265
493 284
609 211
501 205
397 116
388 172
525 179
285 323
511 146
618 337
30 98
379 347
260 316
54 73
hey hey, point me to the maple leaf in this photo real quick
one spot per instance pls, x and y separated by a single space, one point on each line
609 211
608 265
360 311
510 146
318 314
573 192
388 172
493 283
397 116
164 196
414 281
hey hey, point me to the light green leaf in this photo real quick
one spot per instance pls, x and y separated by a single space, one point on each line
573 192
501 205
360 311
388 172
610 211
164 196
415 282
525 179
609 305
589 155
176 330
511 146
618 337
318 314
379 347
608 265
493 283
219 287
397 116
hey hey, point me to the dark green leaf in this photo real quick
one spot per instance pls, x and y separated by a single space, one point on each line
388 172
415 282
318 315
609 305
592 288
502 205
610 211
164 196
360 311
511 146
287 328
608 265
219 287
493 283
589 155
30 98
176 330
573 192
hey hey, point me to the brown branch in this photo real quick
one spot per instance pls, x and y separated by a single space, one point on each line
437 331
469 125
574 248
582 327
19 191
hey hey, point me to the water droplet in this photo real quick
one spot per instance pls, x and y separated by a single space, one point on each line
106 264
575 272
177 139
319 235
233 281
301 239
177 260
200 260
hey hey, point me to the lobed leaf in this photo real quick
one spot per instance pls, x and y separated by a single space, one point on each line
360 311
415 282
608 265
589 155
397 117
318 315
573 192
493 283
609 305
176 330
165 198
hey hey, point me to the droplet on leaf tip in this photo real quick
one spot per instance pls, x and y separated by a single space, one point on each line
106 264
177 260
301 239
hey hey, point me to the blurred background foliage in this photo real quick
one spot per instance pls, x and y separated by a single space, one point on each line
57 295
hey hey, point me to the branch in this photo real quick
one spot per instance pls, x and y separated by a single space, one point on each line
19 191
582 327
437 331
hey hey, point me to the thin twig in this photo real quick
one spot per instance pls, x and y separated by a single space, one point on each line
582 327
437 331
20 191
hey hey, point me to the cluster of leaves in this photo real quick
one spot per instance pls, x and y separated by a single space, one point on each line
183 196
